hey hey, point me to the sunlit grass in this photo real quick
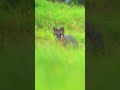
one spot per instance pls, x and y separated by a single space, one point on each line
58 68
49 15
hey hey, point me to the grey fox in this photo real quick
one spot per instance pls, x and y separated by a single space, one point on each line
65 40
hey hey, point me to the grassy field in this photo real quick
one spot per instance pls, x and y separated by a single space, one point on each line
57 68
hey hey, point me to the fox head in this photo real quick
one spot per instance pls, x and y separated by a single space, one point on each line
58 33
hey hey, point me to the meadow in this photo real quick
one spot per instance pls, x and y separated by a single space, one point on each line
58 68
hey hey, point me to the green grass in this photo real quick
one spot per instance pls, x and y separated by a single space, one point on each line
57 68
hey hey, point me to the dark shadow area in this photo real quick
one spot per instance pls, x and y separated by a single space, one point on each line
17 54
102 71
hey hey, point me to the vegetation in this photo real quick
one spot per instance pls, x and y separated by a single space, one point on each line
58 68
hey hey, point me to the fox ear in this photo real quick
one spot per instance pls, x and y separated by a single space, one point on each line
62 29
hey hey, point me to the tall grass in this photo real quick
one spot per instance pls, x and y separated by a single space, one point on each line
58 68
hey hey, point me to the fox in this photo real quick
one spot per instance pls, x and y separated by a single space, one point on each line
64 40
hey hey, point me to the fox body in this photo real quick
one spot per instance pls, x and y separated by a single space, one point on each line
65 40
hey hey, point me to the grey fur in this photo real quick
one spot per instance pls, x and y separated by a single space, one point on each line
68 39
